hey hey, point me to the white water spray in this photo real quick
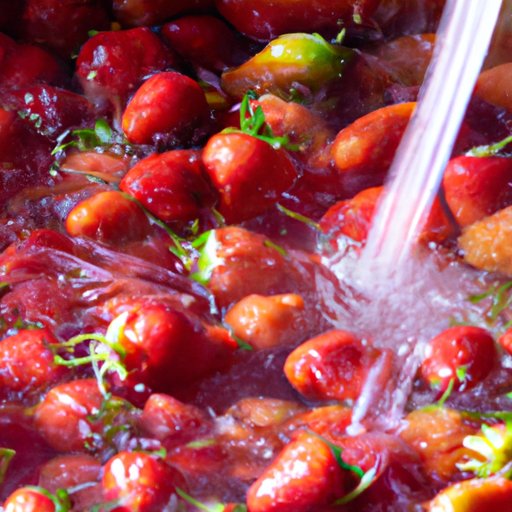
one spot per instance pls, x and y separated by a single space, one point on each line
409 301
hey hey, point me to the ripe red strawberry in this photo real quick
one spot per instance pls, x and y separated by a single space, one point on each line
140 482
172 185
264 19
164 347
169 106
111 65
303 477
205 41
239 263
268 321
331 366
51 110
63 418
476 187
23 65
26 499
63 25
368 145
164 417
26 362
249 174
462 355
151 12
353 218
108 217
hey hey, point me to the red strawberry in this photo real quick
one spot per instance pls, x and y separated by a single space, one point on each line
111 65
26 499
172 185
26 362
169 107
249 174
267 321
164 417
264 19
462 355
140 482
164 347
333 365
243 263
476 187
24 65
63 25
151 12
303 477
353 218
51 110
108 217
63 418
205 41
368 145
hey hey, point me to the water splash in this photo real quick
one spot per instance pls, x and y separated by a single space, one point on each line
399 302
462 42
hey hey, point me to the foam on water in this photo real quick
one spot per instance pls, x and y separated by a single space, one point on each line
396 300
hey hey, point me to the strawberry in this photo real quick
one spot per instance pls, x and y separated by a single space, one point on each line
493 85
151 12
169 106
164 417
63 25
476 187
172 185
249 174
475 495
264 20
267 321
228 255
27 499
205 41
333 365
368 145
111 65
485 244
24 65
505 341
64 417
437 434
140 482
164 347
303 477
26 362
70 470
353 218
108 217
462 355
51 110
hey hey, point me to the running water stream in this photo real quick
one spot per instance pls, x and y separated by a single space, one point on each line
408 301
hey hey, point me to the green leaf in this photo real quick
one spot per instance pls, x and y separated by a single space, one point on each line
252 122
299 217
6 455
448 391
461 373
366 480
208 259
272 245
217 507
489 150
337 452
103 131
